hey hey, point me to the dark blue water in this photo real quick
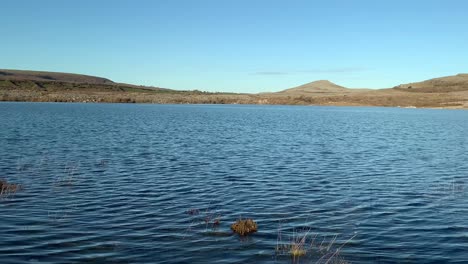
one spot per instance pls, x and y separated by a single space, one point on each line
121 183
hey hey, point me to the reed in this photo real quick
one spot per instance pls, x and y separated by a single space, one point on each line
303 245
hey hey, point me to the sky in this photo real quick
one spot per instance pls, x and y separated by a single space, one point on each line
238 46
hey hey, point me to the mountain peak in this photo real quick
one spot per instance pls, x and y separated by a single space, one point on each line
320 86
322 82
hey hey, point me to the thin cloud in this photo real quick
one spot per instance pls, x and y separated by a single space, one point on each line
271 73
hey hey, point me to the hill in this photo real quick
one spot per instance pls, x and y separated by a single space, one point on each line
321 86
39 86
17 75
447 84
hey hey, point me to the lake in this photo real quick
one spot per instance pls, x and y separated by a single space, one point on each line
133 183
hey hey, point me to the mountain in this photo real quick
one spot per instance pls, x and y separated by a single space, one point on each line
42 76
454 83
322 86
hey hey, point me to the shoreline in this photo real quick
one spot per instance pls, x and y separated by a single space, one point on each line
252 104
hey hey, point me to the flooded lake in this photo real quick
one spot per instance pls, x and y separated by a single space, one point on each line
130 183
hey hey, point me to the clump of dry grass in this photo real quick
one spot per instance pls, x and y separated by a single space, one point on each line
7 189
244 226
303 244
297 246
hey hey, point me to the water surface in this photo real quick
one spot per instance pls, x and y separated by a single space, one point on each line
121 183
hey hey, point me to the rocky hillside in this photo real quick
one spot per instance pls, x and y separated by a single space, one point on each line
40 76
438 85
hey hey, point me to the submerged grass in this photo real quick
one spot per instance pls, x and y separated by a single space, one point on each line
68 178
210 219
7 189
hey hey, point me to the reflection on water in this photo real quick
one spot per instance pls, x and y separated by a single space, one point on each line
163 183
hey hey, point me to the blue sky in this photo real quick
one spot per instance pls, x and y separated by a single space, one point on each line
238 46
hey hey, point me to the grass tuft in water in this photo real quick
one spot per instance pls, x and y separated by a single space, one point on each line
303 245
244 227
7 189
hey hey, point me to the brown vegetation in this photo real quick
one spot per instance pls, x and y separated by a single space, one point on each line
447 92
7 189
17 75
244 227
303 244
447 84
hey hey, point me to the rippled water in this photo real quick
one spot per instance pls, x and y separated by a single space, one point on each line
111 183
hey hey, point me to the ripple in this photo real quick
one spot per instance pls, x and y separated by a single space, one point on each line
114 183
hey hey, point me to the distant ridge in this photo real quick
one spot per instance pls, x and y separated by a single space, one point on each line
321 86
43 76
42 86
446 84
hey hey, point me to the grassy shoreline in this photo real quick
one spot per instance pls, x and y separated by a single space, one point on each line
413 101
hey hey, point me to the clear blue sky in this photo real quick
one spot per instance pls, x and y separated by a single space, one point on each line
238 46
